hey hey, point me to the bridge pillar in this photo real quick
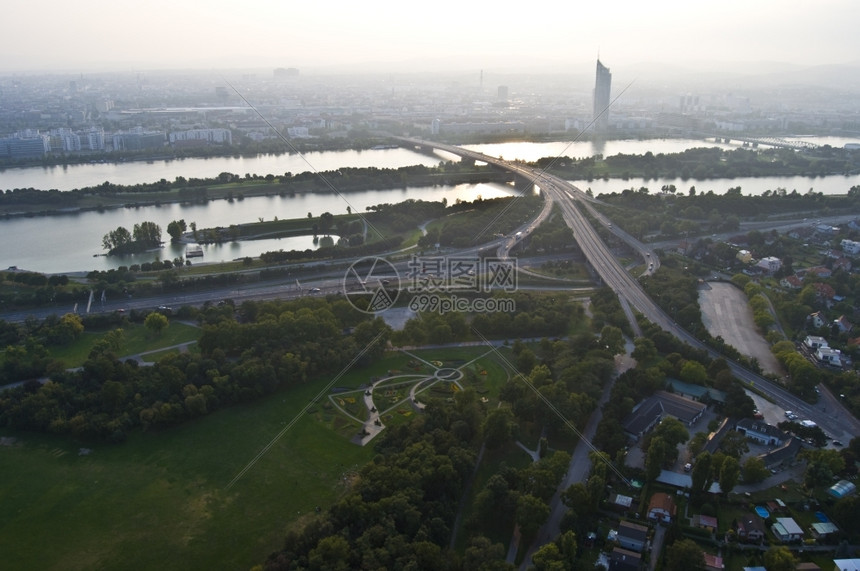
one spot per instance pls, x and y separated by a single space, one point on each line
467 161
524 185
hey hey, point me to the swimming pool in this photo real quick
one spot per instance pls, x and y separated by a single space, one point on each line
762 511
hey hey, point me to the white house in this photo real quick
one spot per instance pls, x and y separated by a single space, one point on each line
850 247
770 264
761 432
814 342
829 356
786 529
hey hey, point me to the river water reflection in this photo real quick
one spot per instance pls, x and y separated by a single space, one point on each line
68 242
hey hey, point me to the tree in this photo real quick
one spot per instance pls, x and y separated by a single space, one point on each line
578 498
822 465
175 229
672 431
685 555
754 470
326 222
116 238
779 559
531 513
67 330
156 322
482 555
499 426
558 555
697 443
612 339
655 458
694 373
332 552
644 350
147 233
734 444
729 474
702 472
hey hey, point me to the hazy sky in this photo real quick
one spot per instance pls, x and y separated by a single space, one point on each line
82 35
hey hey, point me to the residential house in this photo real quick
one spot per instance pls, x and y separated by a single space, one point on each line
843 264
714 562
814 341
624 560
823 530
819 272
826 230
744 256
705 522
850 247
829 356
651 410
770 264
750 528
620 502
817 319
846 564
800 233
661 508
632 536
786 529
843 324
675 479
783 455
791 282
824 292
761 432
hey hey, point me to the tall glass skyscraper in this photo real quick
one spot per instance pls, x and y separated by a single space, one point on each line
602 86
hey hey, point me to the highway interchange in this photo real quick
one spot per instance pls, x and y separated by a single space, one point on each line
835 420
328 277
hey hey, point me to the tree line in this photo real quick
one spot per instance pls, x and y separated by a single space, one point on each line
244 354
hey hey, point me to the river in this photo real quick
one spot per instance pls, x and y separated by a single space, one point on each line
67 243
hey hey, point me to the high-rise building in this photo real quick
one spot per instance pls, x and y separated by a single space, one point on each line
602 87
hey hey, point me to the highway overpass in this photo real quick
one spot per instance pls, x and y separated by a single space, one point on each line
837 422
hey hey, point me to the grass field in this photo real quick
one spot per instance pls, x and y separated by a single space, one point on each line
138 339
160 500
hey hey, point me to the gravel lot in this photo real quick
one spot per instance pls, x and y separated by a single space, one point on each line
725 313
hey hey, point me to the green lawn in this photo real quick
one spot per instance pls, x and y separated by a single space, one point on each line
159 500
138 339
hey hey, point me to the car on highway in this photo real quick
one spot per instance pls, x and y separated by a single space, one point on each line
315 290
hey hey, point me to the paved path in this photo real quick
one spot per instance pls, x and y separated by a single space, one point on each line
579 467
139 357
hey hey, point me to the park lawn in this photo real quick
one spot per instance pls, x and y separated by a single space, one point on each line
138 339
161 500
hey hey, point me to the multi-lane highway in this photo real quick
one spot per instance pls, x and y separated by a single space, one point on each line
836 421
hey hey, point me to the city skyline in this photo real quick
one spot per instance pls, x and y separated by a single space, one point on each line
94 35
